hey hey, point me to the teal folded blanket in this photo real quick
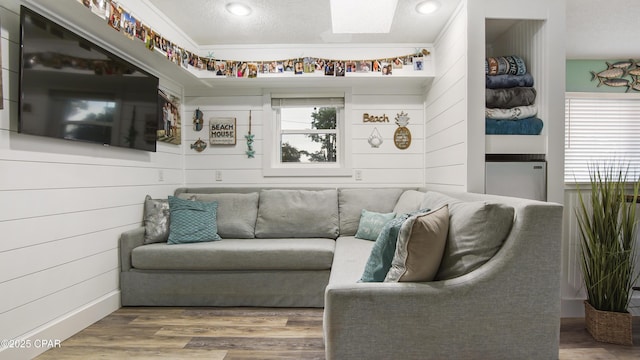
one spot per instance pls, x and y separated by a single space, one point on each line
528 126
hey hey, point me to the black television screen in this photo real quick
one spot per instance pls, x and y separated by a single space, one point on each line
71 88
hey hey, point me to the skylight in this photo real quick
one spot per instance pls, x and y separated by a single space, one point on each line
362 16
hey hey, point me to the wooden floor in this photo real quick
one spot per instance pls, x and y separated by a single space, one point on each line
254 333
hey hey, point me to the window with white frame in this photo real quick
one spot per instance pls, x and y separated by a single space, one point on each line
600 128
306 137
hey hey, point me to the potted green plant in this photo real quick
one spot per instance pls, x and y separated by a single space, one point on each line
607 224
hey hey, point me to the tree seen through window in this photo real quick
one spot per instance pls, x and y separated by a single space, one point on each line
309 134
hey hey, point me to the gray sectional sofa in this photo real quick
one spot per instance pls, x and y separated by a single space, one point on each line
496 294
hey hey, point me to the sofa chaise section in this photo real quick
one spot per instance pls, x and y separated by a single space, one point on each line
508 308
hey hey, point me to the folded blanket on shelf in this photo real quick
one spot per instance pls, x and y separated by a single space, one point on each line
515 113
528 126
509 98
508 81
501 65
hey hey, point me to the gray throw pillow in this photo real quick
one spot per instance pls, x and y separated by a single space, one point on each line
477 230
156 220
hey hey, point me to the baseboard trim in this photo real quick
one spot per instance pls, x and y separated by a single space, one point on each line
575 307
572 308
64 327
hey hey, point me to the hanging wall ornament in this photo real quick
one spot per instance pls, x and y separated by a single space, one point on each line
250 152
402 135
375 139
198 120
199 145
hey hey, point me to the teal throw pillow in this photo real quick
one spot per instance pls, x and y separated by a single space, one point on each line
192 221
371 224
384 249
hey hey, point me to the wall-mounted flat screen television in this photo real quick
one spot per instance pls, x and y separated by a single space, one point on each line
73 89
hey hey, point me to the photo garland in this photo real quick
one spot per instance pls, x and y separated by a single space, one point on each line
123 21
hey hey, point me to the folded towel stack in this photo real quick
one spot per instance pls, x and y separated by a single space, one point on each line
510 98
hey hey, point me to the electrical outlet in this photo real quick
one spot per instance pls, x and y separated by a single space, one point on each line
358 174
160 175
218 175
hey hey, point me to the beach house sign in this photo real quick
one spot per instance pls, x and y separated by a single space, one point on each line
222 131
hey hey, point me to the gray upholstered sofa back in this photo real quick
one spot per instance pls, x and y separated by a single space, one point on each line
302 212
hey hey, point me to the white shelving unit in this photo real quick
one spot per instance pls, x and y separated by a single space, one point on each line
523 38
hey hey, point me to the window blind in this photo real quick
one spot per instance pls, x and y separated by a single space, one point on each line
304 102
601 131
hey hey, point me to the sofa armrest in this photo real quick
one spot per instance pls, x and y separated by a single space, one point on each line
129 240
507 308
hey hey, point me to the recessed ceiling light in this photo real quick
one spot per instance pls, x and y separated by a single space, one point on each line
362 16
238 9
427 7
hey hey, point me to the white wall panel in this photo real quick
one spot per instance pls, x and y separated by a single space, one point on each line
386 130
361 146
40 284
32 259
52 202
26 232
452 135
30 316
63 206
451 174
238 161
236 169
387 161
446 110
442 157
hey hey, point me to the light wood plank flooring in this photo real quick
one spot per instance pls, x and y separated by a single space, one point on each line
254 333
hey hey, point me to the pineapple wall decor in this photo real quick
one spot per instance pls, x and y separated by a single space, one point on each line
402 135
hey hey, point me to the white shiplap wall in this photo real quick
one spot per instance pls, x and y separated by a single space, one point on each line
63 206
446 110
384 166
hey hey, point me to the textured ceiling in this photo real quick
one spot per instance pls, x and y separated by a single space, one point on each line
207 22
599 29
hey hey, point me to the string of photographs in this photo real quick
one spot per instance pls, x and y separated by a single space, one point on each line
122 20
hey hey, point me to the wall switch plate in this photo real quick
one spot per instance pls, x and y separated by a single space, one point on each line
218 175
160 175
358 175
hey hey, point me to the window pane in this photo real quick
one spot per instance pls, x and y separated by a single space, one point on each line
308 148
302 118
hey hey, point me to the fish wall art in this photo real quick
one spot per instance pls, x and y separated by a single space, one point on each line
624 74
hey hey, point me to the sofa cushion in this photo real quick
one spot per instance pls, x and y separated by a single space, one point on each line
237 254
409 201
236 215
349 259
192 221
297 214
379 261
156 220
353 201
371 223
420 247
477 230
